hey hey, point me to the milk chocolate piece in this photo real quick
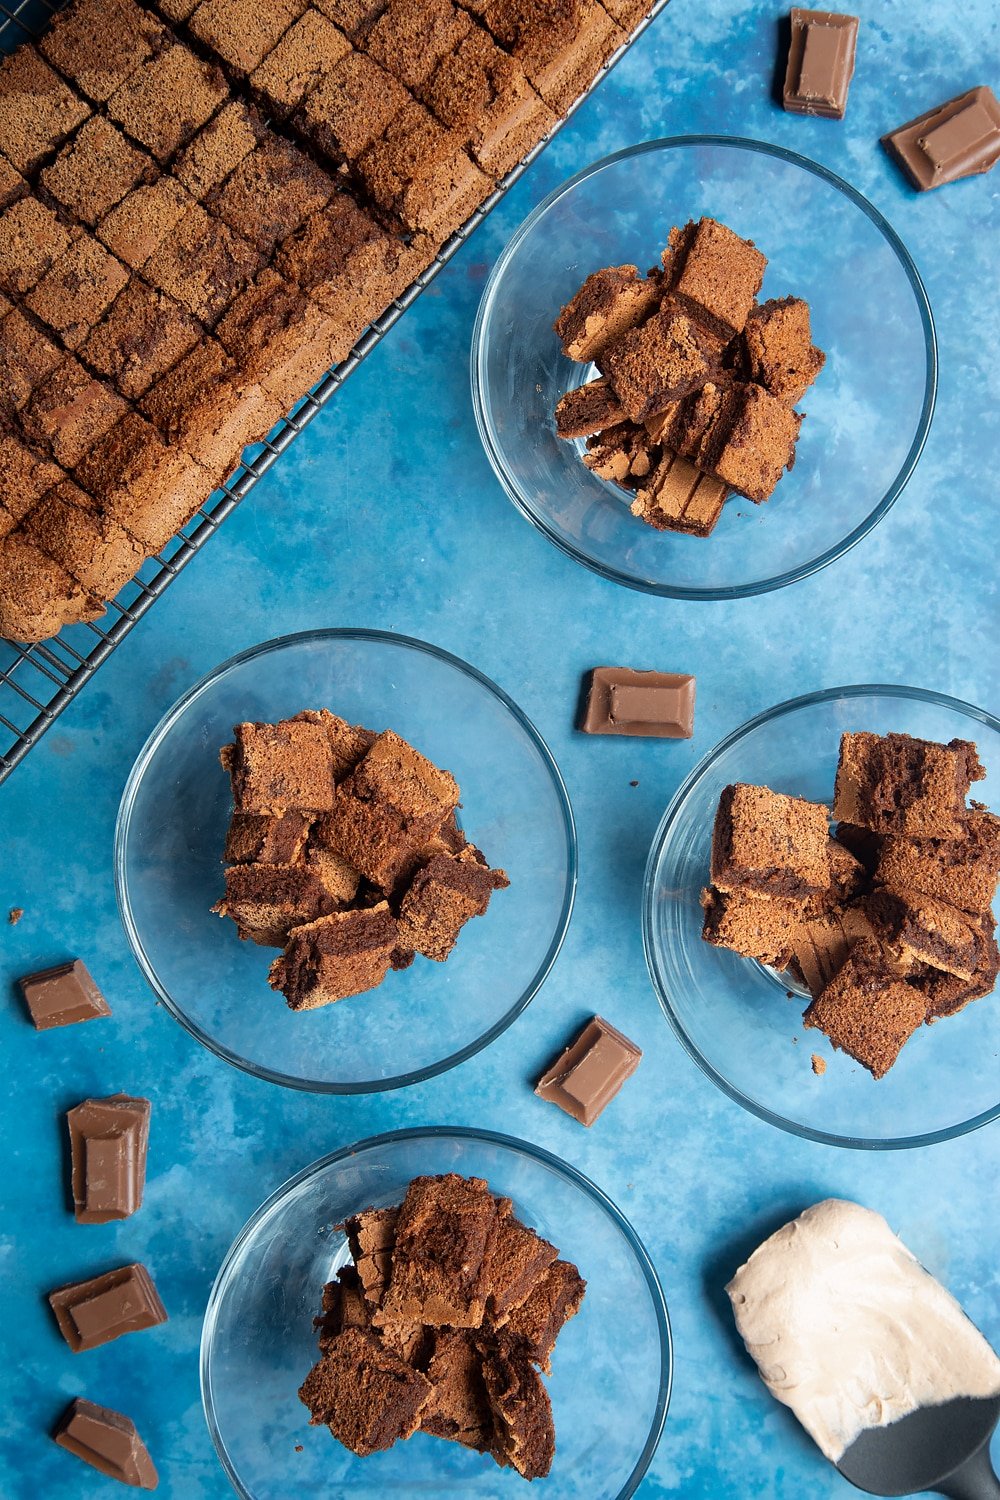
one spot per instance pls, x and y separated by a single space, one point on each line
94 1312
62 996
651 705
589 1073
820 63
108 1142
108 1442
958 139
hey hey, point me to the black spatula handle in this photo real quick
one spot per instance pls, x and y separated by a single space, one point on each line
975 1480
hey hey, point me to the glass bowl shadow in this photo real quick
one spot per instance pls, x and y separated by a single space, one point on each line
867 415
168 864
611 1369
734 1016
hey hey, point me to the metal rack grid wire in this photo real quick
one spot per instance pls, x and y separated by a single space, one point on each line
37 682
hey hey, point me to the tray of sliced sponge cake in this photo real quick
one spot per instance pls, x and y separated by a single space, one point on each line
210 212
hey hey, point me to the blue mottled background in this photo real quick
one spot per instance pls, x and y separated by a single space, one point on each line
387 514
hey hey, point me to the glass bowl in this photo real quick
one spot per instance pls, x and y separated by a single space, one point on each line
732 1014
868 413
168 864
611 1369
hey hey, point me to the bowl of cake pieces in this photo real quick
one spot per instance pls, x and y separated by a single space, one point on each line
345 860
437 1311
705 367
819 916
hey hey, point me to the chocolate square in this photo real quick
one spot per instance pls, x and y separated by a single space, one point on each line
587 1074
62 996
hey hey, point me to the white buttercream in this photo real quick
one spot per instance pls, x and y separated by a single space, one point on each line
849 1330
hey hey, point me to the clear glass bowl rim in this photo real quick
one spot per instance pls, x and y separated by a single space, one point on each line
123 823
792 575
807 700
445 1132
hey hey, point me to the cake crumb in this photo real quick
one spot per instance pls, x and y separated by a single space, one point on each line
818 1064
633 783
299 1448
15 914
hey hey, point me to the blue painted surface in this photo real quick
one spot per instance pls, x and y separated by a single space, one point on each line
387 514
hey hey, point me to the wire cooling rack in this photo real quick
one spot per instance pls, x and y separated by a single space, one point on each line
38 682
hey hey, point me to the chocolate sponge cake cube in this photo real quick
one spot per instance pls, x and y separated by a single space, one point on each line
947 994
143 335
896 784
95 169
149 487
588 409
751 924
715 274
27 357
271 192
32 237
12 184
664 359
411 37
518 1262
523 1431
266 901
240 32
963 871
309 50
422 173
38 109
218 149
780 354
561 70
137 226
37 596
767 842
282 339
919 930
750 441
537 1323
95 550
164 103
203 265
346 953
70 412
445 1236
480 91
257 838
459 1408
277 768
98 44
867 1010
27 474
350 108
444 894
77 290
367 1396
388 807
608 303
208 405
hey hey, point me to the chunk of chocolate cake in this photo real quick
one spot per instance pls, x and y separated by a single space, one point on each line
895 784
371 1236
866 1010
459 1407
277 767
609 302
962 871
387 807
306 54
95 169
821 943
445 1234
946 994
715 274
38 110
752 924
97 44
538 1321
750 442
780 353
771 843
587 409
343 954
678 497
661 361
260 838
516 1265
367 1396
168 99
443 895
268 901
523 1432
919 929
241 33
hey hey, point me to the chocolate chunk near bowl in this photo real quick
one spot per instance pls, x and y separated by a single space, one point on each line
587 1074
820 63
109 1139
622 700
93 1312
62 996
108 1442
960 138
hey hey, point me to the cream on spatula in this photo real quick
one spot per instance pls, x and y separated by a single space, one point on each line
850 1331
